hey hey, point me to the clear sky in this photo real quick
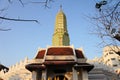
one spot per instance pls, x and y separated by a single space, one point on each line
26 37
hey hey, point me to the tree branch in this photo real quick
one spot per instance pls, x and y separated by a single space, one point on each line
44 2
21 2
1 29
111 12
11 19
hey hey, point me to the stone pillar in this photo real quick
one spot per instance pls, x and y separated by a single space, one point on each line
75 75
84 74
34 75
57 78
39 75
80 75
45 75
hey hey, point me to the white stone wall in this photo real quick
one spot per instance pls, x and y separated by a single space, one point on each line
17 72
101 71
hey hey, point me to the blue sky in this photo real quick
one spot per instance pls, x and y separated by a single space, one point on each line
26 37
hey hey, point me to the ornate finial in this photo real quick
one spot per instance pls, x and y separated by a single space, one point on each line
60 7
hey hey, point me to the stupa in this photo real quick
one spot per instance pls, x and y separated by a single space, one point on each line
61 61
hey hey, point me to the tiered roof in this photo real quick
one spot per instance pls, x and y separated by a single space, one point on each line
59 56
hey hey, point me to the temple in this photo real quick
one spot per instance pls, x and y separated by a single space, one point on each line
60 61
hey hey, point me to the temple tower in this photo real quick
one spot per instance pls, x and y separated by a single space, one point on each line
60 36
59 61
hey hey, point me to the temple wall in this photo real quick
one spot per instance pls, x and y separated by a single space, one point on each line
17 72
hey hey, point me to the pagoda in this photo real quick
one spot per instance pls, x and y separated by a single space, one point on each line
61 61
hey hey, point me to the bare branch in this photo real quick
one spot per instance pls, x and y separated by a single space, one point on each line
4 18
1 29
109 23
9 1
45 3
117 37
21 2
111 10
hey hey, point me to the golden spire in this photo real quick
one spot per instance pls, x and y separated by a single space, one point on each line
60 36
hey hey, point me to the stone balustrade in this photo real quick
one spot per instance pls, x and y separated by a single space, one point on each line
15 70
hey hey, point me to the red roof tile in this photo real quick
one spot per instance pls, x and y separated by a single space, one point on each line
40 54
60 59
60 51
79 54
59 62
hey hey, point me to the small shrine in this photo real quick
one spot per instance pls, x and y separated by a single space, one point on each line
61 61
